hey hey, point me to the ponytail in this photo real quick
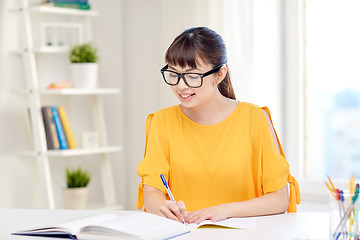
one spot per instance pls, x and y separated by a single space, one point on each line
226 88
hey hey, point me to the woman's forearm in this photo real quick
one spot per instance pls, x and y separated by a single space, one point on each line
153 199
271 203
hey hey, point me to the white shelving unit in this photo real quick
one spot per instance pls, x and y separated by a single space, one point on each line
34 93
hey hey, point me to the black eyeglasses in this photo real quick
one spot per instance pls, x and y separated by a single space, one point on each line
193 80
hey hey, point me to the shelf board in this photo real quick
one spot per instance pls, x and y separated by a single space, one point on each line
73 91
64 49
75 152
63 11
45 49
84 151
80 91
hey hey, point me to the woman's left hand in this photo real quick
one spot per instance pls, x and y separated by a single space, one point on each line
215 213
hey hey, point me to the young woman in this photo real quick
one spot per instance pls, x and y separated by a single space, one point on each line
221 157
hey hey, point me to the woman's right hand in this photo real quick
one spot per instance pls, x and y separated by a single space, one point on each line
174 211
155 202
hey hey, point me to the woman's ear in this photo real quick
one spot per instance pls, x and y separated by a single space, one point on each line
221 74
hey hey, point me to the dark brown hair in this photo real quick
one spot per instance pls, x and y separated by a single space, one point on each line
203 43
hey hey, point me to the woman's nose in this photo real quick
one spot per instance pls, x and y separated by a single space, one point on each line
182 84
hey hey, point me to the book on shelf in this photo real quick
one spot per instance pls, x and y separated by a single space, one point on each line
52 139
59 85
126 225
80 6
66 1
59 128
73 5
67 128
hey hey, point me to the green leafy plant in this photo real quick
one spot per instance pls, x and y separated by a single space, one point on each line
84 53
77 178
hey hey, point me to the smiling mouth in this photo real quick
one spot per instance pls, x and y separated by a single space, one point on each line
186 95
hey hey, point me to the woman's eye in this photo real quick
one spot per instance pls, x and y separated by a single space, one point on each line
173 75
193 76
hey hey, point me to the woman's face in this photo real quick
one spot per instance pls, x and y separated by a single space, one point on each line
193 97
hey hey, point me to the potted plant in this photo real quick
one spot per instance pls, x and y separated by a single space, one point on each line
84 67
76 192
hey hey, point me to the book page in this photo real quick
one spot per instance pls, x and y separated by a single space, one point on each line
238 223
74 226
141 224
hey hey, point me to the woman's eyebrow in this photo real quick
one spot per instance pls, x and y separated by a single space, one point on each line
187 70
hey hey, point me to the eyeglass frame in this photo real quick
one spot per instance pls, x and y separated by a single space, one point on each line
182 75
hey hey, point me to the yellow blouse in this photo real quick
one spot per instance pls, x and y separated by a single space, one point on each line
231 161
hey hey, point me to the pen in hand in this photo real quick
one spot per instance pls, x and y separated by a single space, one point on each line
168 190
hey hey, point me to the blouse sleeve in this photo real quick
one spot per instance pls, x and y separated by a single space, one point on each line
155 158
275 168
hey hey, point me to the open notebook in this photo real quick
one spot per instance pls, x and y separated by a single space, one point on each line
237 223
128 225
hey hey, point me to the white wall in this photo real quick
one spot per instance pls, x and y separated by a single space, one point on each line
142 81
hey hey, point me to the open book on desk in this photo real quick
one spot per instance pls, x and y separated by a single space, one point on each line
129 225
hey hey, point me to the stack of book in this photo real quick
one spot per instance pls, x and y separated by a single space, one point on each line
78 4
57 128
59 85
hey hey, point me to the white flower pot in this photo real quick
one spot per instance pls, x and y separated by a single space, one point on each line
84 75
75 198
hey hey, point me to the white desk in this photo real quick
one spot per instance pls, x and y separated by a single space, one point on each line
302 226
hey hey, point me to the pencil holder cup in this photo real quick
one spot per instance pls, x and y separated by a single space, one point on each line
343 216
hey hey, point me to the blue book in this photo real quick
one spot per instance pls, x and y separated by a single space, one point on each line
59 129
